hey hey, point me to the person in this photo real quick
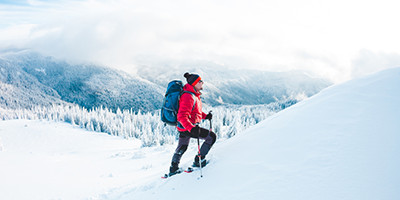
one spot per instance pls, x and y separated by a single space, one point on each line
189 116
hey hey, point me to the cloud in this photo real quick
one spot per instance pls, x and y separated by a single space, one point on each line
368 62
324 38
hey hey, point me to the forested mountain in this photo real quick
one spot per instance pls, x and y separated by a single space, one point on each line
28 79
241 86
31 79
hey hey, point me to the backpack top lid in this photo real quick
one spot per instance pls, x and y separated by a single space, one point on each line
174 86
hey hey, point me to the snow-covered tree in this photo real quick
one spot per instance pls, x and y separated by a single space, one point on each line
228 121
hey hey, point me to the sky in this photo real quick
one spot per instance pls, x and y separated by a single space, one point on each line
339 40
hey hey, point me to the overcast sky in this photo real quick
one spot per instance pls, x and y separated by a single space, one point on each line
336 39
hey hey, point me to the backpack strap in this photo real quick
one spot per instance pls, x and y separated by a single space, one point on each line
194 98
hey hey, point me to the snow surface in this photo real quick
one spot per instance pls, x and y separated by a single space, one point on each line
48 160
342 143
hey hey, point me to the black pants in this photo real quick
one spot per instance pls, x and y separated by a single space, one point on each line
184 138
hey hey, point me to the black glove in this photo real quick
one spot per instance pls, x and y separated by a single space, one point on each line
209 116
195 131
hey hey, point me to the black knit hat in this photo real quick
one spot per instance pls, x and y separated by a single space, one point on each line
192 79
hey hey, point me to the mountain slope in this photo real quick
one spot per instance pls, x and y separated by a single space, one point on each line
86 85
342 143
18 89
28 78
244 87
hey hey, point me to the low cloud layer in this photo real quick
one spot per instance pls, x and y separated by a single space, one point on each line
329 39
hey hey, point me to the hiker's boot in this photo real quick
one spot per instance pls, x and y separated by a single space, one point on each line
196 162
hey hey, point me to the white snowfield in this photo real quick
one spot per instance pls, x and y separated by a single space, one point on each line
343 143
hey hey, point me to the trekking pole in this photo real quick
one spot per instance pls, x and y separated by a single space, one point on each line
210 124
210 127
198 145
199 155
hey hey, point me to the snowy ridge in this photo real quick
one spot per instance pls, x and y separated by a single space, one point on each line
339 144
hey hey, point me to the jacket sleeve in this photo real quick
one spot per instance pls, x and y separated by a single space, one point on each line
185 108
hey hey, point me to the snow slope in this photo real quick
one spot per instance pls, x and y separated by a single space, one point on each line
342 143
48 160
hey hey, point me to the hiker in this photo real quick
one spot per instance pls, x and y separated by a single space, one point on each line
189 116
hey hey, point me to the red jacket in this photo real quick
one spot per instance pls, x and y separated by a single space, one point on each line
188 116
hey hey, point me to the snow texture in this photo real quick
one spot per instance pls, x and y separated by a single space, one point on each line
339 144
48 160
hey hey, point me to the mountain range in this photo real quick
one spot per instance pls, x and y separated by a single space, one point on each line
240 86
28 78
342 143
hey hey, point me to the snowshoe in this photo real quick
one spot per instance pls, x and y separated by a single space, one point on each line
172 173
196 162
